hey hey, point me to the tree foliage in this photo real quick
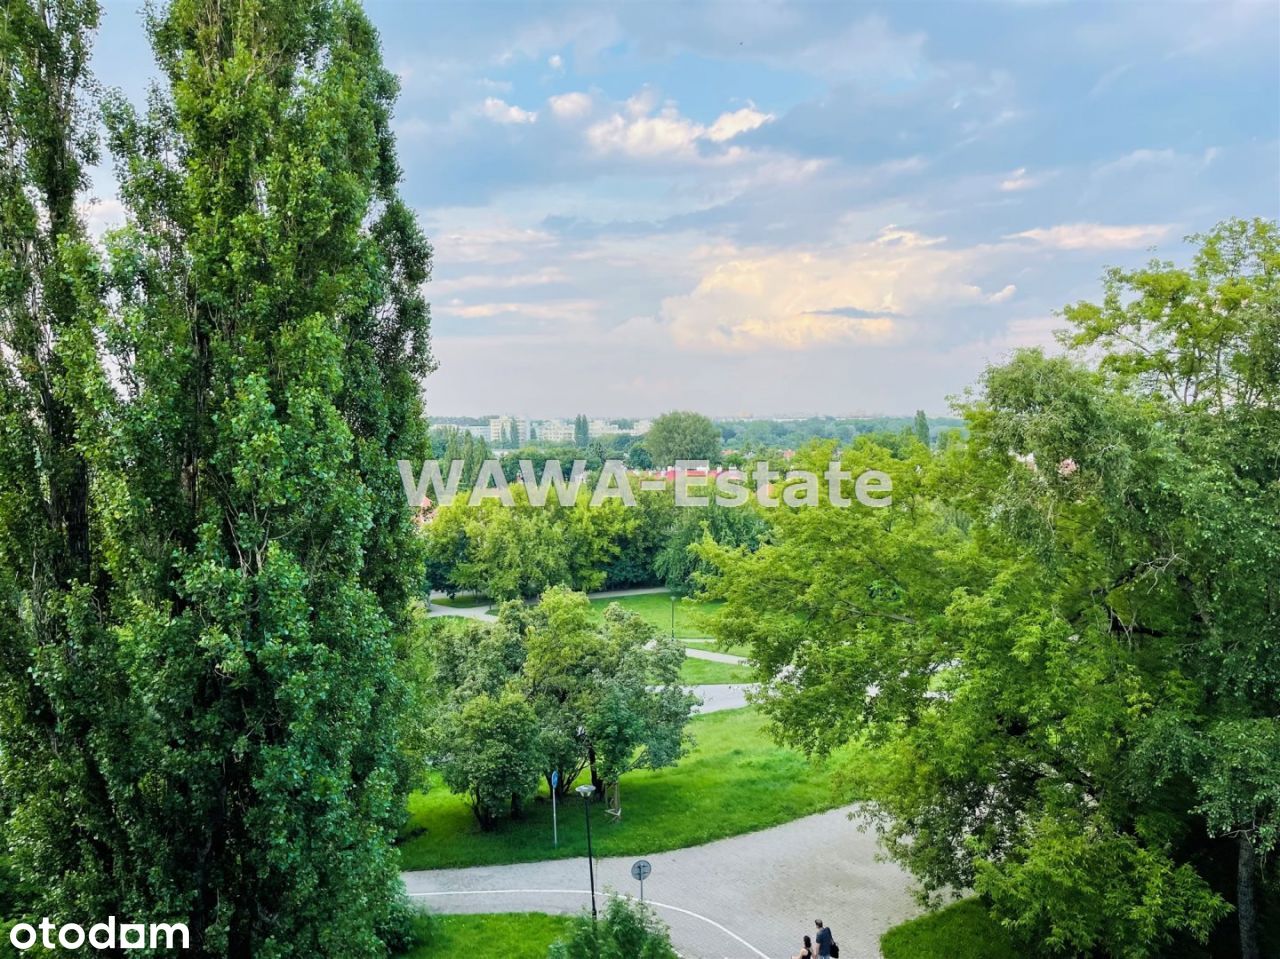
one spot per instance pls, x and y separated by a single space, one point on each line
1065 627
682 435
201 699
734 527
598 697
626 930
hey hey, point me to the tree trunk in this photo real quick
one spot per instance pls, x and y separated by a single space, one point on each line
595 776
1246 903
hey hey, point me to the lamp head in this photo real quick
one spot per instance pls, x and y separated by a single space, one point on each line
586 791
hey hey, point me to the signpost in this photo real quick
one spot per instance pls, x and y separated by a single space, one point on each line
640 869
555 827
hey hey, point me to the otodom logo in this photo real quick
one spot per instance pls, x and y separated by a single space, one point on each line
101 935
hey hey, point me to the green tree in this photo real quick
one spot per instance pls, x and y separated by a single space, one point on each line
1065 623
650 526
581 431
638 457
608 696
626 930
217 691
682 436
57 714
604 697
678 565
921 427
488 750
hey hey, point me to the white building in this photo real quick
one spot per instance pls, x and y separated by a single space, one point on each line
500 430
555 431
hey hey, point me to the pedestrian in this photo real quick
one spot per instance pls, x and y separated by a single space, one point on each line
806 951
826 944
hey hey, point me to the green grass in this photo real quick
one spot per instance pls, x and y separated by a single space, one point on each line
735 780
512 935
655 608
963 930
705 672
713 646
462 602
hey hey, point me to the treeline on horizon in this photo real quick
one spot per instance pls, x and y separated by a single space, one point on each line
691 436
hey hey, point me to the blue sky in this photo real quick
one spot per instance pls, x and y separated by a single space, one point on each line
773 207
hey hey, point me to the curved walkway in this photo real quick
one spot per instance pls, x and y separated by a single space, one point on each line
717 699
694 653
748 897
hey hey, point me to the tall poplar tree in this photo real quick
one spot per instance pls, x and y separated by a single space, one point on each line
202 711
56 710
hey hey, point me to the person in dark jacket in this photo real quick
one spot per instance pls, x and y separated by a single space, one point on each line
824 941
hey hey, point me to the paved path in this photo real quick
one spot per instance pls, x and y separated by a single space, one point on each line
468 612
482 612
716 699
694 653
749 897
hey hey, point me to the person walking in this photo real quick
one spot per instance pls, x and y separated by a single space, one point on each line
806 952
827 948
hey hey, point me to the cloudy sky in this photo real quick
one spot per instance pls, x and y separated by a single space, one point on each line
774 207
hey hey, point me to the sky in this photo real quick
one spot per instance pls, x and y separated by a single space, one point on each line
778 208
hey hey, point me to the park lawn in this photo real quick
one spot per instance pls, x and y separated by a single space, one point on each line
462 602
655 608
735 780
710 644
963 930
512 935
705 672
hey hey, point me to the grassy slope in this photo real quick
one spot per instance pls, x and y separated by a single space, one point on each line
513 935
960 931
655 608
462 602
735 780
710 644
700 672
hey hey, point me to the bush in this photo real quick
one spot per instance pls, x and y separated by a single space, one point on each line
627 930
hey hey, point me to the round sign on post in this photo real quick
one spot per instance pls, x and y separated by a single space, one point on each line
640 869
555 824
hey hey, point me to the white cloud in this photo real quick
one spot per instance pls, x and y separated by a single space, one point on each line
861 293
488 244
1019 180
580 312
1003 295
666 134
501 281
637 131
499 111
1135 160
571 106
555 62
1094 236
729 125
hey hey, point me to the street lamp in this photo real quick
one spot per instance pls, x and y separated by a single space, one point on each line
673 615
586 791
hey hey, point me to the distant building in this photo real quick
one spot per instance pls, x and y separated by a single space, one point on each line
500 428
555 431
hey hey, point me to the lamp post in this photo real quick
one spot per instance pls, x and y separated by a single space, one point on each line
585 791
673 615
